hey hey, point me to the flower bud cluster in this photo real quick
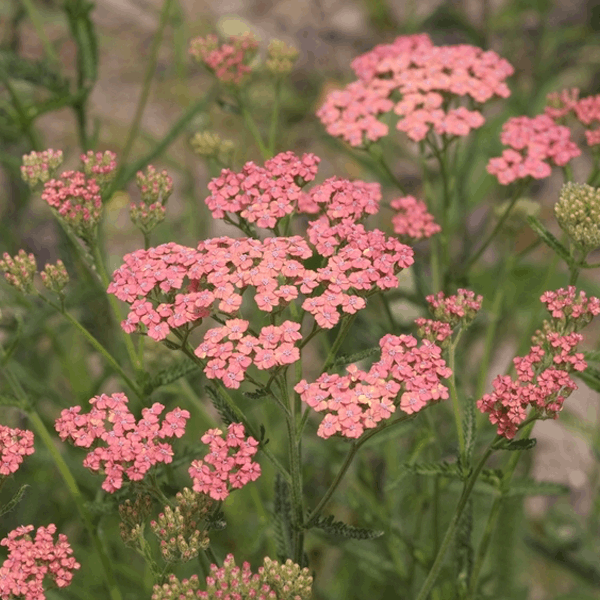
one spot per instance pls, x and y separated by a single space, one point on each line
421 83
174 589
543 376
131 448
155 188
437 332
412 220
461 308
19 271
179 530
40 167
77 201
359 400
578 214
101 166
209 144
55 278
231 352
30 560
228 471
230 61
280 58
133 516
289 581
14 445
533 143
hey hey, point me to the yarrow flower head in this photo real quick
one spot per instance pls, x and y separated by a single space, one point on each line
131 448
418 81
412 221
578 214
586 111
31 560
40 167
14 445
407 375
533 143
209 144
77 201
230 61
229 471
273 581
543 376
19 271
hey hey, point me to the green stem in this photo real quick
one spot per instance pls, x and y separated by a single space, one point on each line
36 20
253 129
490 525
496 229
490 336
63 468
341 336
468 488
275 118
25 121
114 303
388 171
143 99
454 395
347 461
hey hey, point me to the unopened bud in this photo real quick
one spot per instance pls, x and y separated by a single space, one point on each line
39 167
281 58
100 166
55 278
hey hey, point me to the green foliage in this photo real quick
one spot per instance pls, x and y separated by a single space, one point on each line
514 445
170 374
12 503
282 520
344 360
338 528
222 407
549 239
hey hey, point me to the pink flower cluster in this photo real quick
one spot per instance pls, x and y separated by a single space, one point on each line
565 304
543 381
14 445
130 447
587 111
359 400
532 142
229 471
434 331
412 219
459 308
229 61
31 560
426 78
77 200
262 195
231 352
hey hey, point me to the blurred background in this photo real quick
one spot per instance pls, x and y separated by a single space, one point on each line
552 45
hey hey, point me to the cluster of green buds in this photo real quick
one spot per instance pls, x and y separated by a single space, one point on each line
19 271
155 189
289 581
133 516
39 167
517 219
578 214
100 166
174 589
179 530
55 278
280 58
208 144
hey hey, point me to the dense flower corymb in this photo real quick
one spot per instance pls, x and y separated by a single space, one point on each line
131 448
418 81
412 220
31 560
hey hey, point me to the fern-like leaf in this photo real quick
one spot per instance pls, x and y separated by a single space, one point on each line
329 525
